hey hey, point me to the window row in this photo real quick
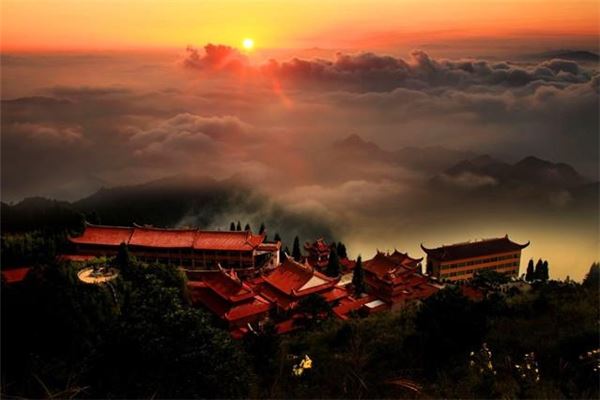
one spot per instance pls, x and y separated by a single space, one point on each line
480 261
471 271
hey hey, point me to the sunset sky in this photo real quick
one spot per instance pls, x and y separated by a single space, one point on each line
34 25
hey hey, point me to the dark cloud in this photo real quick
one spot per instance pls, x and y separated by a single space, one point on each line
216 57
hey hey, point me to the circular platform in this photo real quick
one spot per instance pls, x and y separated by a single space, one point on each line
97 275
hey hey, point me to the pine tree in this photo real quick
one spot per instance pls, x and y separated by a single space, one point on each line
238 227
261 230
232 226
537 274
333 266
247 227
123 260
529 276
358 277
545 275
341 250
277 238
296 254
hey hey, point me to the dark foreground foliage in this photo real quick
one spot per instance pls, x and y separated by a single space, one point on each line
139 338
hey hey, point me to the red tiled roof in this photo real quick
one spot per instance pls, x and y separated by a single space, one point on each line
227 240
474 249
334 294
269 246
165 238
173 238
225 310
347 263
389 266
291 276
319 245
224 284
103 235
15 274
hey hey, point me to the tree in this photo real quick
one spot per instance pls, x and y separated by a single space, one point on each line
538 270
341 250
261 230
296 254
545 274
232 226
312 309
592 279
358 277
123 259
277 238
238 227
333 265
530 275
489 279
247 227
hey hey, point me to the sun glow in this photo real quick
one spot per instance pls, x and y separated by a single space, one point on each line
248 44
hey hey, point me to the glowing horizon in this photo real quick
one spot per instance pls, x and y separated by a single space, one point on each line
69 25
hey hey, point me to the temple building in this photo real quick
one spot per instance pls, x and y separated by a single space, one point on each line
228 297
292 281
459 262
396 279
187 248
318 253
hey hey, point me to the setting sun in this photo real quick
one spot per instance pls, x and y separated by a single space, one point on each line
248 43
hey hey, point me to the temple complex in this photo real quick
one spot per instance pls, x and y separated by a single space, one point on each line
187 248
397 280
239 277
459 262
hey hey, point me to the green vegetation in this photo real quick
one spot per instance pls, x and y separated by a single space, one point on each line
138 337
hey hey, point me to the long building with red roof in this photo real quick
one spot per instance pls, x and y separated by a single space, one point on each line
461 261
187 248
397 279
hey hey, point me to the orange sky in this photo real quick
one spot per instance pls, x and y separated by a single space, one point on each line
30 25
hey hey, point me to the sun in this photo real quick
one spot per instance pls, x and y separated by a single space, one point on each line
248 43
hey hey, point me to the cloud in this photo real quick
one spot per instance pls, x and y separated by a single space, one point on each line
274 123
216 57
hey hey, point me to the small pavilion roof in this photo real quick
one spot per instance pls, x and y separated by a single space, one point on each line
474 249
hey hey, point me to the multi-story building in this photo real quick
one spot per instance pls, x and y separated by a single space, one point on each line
461 261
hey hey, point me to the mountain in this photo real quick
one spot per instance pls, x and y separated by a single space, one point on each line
531 181
429 159
176 201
